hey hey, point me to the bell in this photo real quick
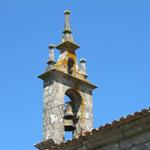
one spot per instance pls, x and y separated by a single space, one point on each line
68 112
69 125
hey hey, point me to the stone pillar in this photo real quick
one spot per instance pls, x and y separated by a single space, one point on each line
85 114
53 127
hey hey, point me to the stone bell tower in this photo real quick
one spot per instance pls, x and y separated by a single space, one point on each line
65 77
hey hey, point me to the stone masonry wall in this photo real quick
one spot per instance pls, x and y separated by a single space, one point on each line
54 93
52 113
139 142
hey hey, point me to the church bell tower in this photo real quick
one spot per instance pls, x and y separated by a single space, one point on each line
65 78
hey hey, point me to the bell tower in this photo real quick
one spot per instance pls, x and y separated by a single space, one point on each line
65 77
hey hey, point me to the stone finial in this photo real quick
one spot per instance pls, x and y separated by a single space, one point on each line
83 66
67 29
51 52
51 59
67 42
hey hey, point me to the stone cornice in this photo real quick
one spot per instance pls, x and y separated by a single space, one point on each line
57 74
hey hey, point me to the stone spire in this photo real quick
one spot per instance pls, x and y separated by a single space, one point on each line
67 39
67 29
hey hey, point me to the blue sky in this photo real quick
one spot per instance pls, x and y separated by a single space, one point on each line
114 38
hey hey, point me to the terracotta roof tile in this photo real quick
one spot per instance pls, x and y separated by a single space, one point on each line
115 123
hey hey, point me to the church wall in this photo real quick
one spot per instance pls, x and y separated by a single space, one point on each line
127 134
139 142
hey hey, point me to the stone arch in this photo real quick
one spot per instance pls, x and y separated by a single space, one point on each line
73 96
76 99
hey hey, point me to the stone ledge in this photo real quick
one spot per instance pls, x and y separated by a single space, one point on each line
45 145
57 73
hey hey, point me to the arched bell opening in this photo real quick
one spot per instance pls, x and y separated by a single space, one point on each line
72 105
70 65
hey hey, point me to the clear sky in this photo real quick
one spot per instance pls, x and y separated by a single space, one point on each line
115 39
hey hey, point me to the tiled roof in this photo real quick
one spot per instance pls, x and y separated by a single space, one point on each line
115 124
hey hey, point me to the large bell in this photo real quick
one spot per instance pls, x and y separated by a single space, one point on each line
69 125
68 112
